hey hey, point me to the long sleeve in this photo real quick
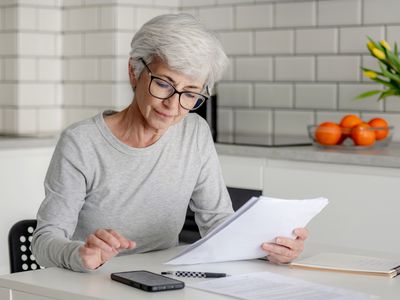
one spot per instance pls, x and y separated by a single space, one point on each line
210 200
65 191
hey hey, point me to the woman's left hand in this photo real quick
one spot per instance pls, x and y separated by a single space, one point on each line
284 250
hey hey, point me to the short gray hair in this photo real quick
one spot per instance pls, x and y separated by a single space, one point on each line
183 43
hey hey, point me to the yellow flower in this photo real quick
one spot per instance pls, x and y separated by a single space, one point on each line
378 53
370 46
370 74
385 45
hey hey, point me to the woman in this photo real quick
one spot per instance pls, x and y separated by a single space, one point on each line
122 181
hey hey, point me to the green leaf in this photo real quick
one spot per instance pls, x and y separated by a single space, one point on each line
366 69
394 60
368 94
392 76
396 50
386 94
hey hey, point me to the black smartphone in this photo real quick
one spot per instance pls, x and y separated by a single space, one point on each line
148 281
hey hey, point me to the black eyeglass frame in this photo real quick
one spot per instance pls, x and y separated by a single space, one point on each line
175 91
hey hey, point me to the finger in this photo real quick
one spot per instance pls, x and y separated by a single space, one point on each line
301 233
278 259
93 241
274 249
108 238
296 245
124 242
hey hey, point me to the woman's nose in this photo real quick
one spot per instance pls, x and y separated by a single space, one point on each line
172 101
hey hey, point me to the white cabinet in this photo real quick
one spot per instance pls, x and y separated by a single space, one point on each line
364 201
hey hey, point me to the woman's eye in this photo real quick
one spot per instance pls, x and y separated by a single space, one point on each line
163 84
189 95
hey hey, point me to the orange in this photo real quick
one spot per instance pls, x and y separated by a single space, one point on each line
348 122
363 135
328 133
381 126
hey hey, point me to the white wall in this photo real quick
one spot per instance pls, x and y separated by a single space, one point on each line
22 175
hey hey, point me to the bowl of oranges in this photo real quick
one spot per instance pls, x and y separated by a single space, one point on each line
352 132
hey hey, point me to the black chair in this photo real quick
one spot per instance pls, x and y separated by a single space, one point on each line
190 231
19 245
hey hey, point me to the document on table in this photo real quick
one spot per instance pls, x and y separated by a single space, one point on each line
266 285
260 220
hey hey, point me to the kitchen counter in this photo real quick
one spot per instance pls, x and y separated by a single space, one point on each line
383 157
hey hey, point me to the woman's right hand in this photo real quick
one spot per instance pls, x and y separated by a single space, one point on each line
101 246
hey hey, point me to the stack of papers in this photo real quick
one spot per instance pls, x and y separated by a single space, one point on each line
261 219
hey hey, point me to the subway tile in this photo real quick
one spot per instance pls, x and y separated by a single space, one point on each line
250 124
26 121
2 67
36 94
8 45
40 44
339 12
72 115
68 3
348 93
49 19
235 94
295 14
10 18
82 19
254 16
108 69
316 40
2 129
371 63
26 68
315 96
294 68
10 66
108 17
1 25
217 17
274 42
49 69
49 119
354 39
72 44
338 68
191 11
27 18
123 43
73 94
99 43
292 122
189 3
236 42
228 73
131 2
381 12
82 69
225 125
171 3
273 95
392 119
144 14
234 1
98 95
125 18
393 35
47 3
123 95
253 68
392 104
8 95
10 118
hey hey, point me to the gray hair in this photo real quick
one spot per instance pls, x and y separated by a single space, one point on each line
183 43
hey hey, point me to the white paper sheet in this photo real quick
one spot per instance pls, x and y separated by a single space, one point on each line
259 220
266 285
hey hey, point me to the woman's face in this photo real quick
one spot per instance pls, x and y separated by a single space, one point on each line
160 114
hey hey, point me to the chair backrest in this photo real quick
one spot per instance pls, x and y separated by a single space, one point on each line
19 245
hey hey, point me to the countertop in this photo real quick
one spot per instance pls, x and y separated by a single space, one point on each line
382 157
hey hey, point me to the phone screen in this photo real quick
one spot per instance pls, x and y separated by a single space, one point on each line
147 280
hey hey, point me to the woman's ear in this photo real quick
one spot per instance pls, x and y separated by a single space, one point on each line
132 77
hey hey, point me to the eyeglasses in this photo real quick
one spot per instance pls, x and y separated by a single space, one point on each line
162 89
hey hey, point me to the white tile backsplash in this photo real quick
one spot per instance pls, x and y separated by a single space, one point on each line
254 16
37 44
82 69
73 94
339 12
82 19
73 44
27 18
348 93
273 95
316 40
274 42
49 69
338 68
295 68
295 14
252 122
8 95
393 35
99 43
49 119
235 94
292 122
240 42
36 94
49 19
98 95
225 125
254 68
315 96
8 45
354 39
217 18
382 11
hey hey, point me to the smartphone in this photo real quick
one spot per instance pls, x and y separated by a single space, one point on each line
148 281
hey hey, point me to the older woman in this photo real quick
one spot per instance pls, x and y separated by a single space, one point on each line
122 181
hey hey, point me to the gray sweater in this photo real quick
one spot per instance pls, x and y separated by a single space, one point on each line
95 181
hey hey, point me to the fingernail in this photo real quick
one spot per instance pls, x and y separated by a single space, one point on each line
278 240
265 246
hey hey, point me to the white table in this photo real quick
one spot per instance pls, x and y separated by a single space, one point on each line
54 283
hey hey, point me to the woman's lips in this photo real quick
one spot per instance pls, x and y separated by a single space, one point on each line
163 114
